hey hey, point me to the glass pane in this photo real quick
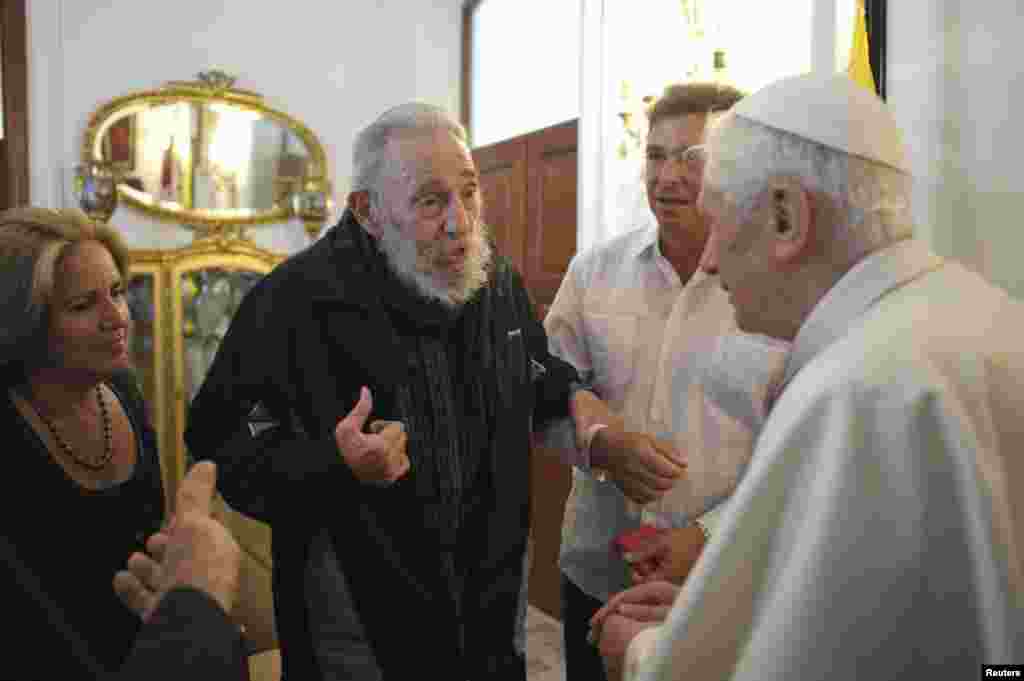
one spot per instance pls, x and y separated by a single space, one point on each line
519 86
142 303
210 298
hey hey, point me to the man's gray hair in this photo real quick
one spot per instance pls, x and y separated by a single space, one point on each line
368 155
874 198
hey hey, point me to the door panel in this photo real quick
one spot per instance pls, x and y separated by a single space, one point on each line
551 244
14 145
551 480
529 191
502 169
551 212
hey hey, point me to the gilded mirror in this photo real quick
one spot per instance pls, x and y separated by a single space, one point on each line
208 154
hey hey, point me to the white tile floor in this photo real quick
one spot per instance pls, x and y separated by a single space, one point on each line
543 647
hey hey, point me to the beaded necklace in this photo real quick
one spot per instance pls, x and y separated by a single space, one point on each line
95 463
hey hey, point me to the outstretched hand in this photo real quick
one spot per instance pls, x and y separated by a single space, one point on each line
624 616
668 556
377 457
644 467
194 550
649 602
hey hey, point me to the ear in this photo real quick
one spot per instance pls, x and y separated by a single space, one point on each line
362 208
792 218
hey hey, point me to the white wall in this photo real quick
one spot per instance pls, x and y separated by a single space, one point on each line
333 65
955 86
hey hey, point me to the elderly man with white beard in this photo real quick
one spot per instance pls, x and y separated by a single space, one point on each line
373 402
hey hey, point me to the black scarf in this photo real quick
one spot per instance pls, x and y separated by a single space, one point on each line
451 399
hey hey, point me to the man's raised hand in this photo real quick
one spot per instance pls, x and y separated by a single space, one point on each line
378 457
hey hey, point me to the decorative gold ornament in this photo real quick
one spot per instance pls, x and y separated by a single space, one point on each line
95 189
121 130
313 203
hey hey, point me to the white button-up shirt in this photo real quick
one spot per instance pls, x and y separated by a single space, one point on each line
623 316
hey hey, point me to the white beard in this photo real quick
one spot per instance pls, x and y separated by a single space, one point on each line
420 271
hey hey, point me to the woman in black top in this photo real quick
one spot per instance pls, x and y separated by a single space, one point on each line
83 487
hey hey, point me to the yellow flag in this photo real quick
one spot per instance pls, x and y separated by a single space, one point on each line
859 69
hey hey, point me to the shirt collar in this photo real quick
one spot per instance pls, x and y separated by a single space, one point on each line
647 246
856 292
652 249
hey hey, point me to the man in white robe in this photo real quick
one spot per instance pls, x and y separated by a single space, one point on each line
878 531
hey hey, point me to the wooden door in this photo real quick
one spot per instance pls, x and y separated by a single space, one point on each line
550 245
551 209
502 169
529 191
14 84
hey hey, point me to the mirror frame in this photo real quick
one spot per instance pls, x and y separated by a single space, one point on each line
211 86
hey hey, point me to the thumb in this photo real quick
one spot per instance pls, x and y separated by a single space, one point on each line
669 451
196 491
352 424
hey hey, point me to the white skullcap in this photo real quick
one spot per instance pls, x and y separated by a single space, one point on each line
833 111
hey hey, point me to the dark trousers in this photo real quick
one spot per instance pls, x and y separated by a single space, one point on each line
582 660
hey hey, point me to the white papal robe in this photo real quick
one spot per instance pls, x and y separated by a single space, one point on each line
877 533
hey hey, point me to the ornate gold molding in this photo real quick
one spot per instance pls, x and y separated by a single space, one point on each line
211 86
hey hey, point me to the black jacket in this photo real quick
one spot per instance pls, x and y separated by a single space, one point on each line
189 636
304 341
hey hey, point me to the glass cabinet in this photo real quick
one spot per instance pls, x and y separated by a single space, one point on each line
144 286
182 303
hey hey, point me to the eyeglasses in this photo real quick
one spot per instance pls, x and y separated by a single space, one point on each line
693 157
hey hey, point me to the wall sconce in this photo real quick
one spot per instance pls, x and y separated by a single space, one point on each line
313 203
95 188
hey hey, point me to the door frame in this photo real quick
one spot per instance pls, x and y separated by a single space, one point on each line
13 33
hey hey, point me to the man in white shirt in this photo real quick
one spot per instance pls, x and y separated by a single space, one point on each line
878 530
638 317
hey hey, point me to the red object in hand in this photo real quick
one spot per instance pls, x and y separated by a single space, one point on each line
632 540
